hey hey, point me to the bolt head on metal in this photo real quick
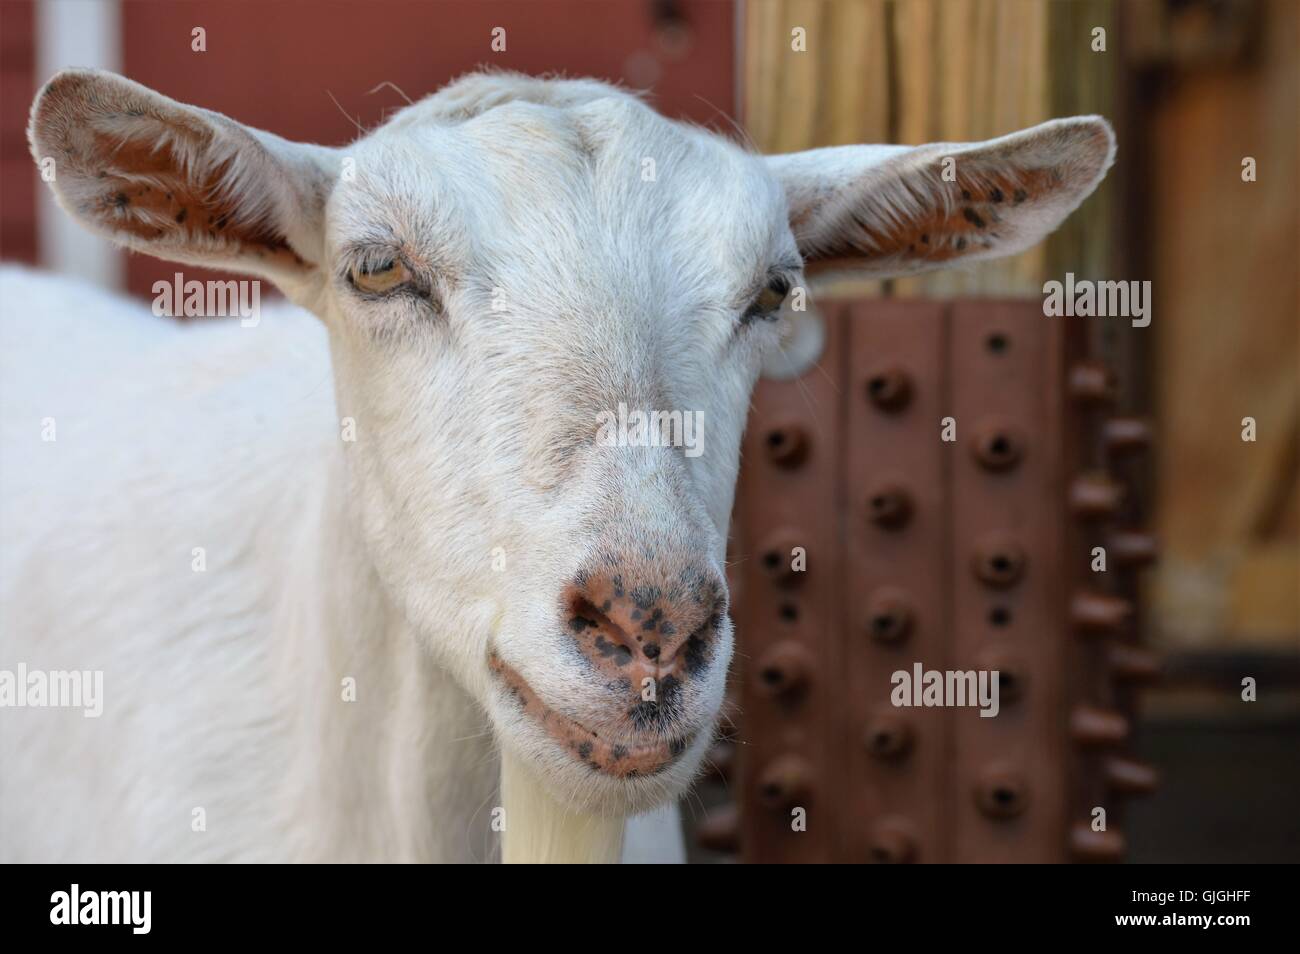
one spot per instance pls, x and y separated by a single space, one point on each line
889 389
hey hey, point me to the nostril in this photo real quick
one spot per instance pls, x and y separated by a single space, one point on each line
599 636
697 650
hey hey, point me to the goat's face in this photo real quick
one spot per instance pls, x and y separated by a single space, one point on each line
566 272
547 307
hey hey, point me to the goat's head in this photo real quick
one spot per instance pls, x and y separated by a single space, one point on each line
515 274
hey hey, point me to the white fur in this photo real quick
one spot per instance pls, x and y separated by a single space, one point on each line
561 281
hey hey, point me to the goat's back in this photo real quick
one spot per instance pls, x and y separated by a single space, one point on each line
152 474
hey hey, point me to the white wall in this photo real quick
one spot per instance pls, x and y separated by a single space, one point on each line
76 33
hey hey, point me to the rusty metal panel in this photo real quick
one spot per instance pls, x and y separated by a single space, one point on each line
1104 661
895 612
1009 782
788 652
966 552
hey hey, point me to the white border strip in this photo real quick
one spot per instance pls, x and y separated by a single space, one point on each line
76 33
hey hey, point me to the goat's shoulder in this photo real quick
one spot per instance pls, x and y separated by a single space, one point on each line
119 420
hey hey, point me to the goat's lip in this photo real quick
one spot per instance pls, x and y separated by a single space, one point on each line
600 755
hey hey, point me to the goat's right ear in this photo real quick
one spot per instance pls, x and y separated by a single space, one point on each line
180 182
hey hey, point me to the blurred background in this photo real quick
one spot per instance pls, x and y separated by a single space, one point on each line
1195 88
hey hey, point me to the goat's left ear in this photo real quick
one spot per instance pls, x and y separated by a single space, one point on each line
180 182
882 211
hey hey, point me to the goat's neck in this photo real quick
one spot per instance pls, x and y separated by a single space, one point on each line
391 758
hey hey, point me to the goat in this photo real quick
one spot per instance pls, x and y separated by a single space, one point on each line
363 578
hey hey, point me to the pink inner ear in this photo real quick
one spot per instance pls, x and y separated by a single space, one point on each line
153 199
969 215
133 166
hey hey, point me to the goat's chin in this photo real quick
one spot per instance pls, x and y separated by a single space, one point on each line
551 819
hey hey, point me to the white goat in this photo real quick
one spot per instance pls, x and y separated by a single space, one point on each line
347 579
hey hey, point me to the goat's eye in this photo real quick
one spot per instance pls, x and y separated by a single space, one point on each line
381 278
769 300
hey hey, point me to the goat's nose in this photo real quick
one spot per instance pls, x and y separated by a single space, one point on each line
635 630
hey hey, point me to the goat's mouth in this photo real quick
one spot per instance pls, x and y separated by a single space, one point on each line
602 755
